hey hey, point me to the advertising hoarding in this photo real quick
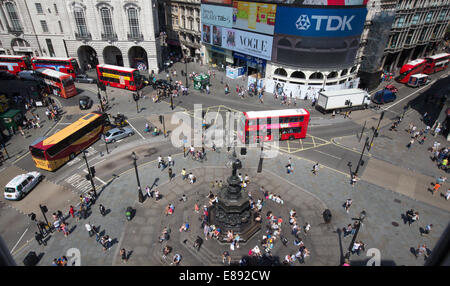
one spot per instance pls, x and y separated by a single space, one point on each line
206 33
335 2
311 22
253 44
221 2
256 17
217 15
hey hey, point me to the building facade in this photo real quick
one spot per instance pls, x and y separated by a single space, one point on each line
183 28
410 29
117 32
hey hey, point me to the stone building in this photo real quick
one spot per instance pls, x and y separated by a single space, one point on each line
117 32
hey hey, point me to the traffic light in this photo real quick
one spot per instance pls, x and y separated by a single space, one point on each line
43 208
243 151
135 96
92 169
88 177
347 102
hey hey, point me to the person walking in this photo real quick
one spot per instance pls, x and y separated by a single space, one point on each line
170 161
102 210
315 168
149 192
348 204
435 188
226 257
123 255
184 174
89 228
72 211
427 230
421 250
410 143
170 174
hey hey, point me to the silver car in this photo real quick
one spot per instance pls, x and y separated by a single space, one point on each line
117 133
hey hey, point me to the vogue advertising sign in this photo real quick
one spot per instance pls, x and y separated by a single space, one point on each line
257 17
310 22
217 15
256 45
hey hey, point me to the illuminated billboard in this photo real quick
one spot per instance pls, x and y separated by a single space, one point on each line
222 2
217 15
320 22
254 17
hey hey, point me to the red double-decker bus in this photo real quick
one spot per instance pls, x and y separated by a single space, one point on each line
14 64
65 65
258 126
60 84
436 63
411 68
121 77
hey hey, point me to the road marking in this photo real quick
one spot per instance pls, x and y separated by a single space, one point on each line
328 154
428 85
136 130
73 161
12 250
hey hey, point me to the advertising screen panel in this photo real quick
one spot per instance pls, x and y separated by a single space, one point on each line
253 44
311 22
255 17
217 15
222 2
335 2
206 34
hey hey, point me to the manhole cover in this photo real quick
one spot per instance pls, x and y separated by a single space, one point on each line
397 201
394 224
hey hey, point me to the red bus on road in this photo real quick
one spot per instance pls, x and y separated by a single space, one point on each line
436 63
412 67
65 65
14 64
121 77
289 123
60 83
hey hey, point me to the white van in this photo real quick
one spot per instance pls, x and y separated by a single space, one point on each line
21 185
418 80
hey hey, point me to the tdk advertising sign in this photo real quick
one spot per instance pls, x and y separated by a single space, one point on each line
309 22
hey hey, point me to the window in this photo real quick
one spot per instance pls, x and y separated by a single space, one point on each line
80 21
107 21
429 16
56 8
39 8
60 27
133 21
44 26
11 9
414 20
400 22
51 51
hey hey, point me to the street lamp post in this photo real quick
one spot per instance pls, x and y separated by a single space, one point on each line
362 154
100 99
362 216
91 176
375 132
140 195
186 72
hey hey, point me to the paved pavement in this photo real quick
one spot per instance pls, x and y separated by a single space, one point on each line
307 193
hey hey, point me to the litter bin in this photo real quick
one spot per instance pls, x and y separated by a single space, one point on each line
327 216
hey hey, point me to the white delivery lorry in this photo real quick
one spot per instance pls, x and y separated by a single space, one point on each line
342 99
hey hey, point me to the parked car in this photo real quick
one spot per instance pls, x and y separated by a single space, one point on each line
83 78
384 96
117 133
21 185
162 83
391 88
85 102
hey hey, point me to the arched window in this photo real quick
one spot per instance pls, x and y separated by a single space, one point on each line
13 16
316 75
353 69
133 21
298 74
80 21
332 74
284 43
280 71
108 27
344 72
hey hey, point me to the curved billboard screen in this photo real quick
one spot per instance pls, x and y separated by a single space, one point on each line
318 38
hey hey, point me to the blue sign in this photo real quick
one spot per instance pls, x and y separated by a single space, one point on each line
310 22
250 59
